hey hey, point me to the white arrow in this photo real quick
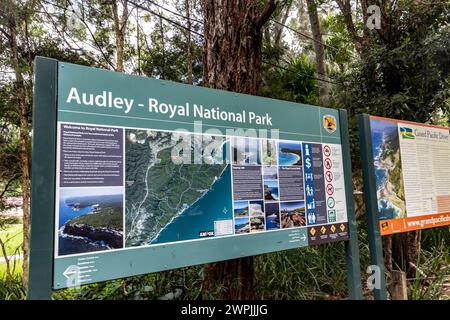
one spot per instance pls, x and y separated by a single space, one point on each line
70 271
303 238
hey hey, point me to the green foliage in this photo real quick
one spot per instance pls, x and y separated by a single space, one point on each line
433 269
293 82
11 289
109 217
12 237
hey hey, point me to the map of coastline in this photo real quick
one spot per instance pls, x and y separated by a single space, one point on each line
159 192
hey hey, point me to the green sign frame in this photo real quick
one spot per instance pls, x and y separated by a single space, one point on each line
45 274
371 203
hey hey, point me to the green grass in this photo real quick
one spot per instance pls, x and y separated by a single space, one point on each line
16 270
13 238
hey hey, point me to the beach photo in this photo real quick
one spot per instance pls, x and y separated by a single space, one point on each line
289 153
257 224
271 190
272 210
292 214
241 225
270 172
240 209
256 208
269 152
90 219
245 151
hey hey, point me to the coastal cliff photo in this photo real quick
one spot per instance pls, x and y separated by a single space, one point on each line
90 219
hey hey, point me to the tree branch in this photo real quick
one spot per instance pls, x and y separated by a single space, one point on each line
6 34
265 15
10 181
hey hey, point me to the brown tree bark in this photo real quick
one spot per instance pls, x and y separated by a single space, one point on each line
23 137
324 89
232 61
232 48
120 26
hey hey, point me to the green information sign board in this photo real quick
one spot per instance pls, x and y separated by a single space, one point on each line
133 175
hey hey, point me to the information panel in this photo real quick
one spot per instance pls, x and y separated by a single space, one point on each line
153 175
412 174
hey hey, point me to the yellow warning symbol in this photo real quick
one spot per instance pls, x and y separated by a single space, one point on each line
333 228
342 227
323 229
312 231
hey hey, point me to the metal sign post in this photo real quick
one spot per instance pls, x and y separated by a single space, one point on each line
43 173
372 215
351 246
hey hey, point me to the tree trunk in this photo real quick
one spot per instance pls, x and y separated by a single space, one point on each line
120 26
188 42
23 139
278 27
232 61
163 48
7 261
324 89
138 42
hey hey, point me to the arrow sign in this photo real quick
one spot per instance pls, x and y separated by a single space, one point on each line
303 237
71 271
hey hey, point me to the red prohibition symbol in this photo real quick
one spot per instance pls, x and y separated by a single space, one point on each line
328 163
327 151
330 189
329 176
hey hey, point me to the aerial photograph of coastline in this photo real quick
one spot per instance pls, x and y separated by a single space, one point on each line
271 190
165 200
241 225
269 151
240 209
292 214
289 154
90 219
388 169
272 210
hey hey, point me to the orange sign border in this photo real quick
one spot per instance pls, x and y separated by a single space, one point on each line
409 122
392 226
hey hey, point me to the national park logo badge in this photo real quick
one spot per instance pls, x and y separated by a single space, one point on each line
329 123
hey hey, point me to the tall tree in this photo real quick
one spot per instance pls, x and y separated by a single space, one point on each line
120 26
9 18
324 88
232 61
402 73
